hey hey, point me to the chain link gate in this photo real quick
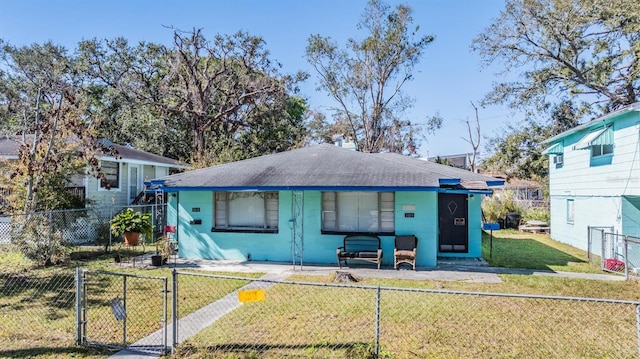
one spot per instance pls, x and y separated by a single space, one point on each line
115 310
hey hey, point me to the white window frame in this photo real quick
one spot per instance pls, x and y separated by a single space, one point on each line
570 211
601 150
228 218
139 181
358 216
107 173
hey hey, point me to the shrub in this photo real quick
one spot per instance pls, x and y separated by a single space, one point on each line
497 206
36 239
537 214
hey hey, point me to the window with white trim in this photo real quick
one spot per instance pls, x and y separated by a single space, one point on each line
358 212
252 211
570 211
601 150
111 171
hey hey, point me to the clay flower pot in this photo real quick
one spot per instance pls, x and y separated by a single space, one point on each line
131 238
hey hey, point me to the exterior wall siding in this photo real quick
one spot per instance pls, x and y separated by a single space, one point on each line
115 196
199 242
631 216
119 196
622 176
596 188
576 233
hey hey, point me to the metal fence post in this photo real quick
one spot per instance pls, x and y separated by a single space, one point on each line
164 314
377 345
638 325
589 244
126 315
626 259
174 309
79 286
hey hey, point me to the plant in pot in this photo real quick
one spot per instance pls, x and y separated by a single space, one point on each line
131 224
163 251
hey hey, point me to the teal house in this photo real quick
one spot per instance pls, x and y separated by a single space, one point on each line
594 177
297 206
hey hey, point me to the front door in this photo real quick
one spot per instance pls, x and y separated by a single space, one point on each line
454 224
135 182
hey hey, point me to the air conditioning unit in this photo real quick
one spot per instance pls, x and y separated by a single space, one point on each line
558 159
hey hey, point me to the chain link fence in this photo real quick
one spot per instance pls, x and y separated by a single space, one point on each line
615 253
120 311
209 315
221 316
76 227
30 302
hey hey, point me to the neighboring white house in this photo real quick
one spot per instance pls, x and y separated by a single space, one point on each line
126 174
594 177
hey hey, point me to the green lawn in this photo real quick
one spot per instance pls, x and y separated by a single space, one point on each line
329 322
512 249
37 311
37 305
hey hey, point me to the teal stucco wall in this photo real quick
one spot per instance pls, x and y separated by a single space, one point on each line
197 241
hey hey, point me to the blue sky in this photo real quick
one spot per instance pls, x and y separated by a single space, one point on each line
446 80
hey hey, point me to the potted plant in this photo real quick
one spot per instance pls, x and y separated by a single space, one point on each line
163 251
131 224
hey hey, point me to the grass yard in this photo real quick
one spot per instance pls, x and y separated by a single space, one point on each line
339 322
437 325
37 305
37 308
513 249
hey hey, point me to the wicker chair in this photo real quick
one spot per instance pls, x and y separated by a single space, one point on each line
405 251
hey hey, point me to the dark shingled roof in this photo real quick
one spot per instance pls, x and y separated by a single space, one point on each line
128 152
325 166
9 146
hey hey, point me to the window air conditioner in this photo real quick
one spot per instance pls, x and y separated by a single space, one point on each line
558 159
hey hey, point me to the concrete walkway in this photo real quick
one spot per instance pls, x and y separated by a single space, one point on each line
459 270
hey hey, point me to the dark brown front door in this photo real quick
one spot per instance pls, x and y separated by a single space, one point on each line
454 226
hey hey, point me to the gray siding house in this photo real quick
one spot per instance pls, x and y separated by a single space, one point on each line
125 174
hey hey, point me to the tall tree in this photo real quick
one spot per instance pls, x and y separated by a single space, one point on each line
46 94
366 78
129 90
200 95
585 51
518 154
474 139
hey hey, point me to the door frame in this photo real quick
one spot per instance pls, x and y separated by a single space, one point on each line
458 229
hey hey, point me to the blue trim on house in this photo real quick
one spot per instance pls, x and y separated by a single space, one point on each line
301 188
327 188
449 181
495 183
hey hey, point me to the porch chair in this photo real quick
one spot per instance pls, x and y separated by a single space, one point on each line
170 234
405 251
